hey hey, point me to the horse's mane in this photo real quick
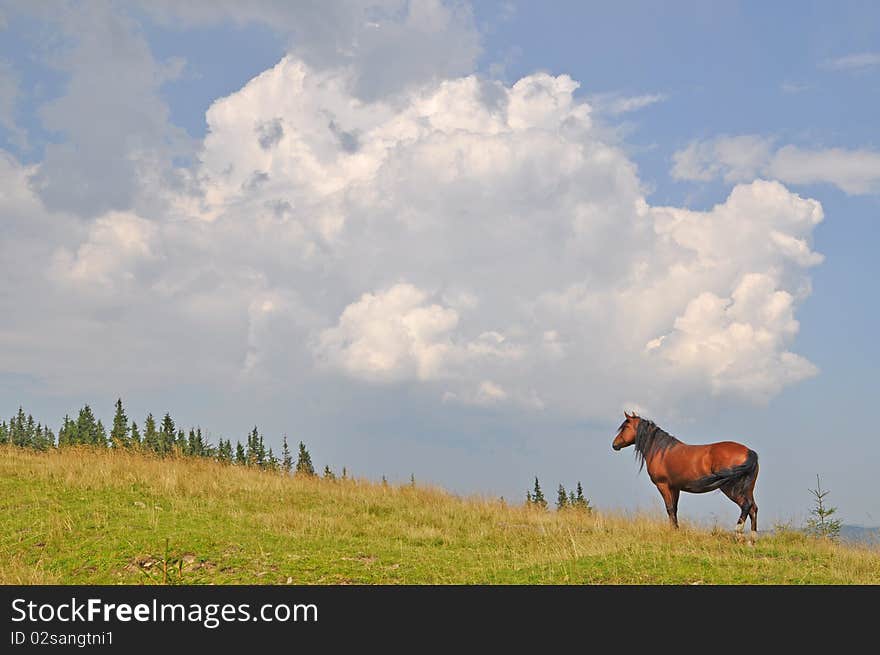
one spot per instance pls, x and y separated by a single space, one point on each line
651 439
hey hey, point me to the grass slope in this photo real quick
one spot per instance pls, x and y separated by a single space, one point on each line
81 516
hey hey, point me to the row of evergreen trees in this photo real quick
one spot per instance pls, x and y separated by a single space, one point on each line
564 499
166 439
163 438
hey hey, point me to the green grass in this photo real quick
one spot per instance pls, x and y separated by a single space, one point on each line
84 516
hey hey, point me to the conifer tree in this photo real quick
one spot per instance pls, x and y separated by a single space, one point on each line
37 442
86 427
304 461
135 438
271 461
240 455
344 473
224 451
66 434
30 432
18 428
561 498
528 498
100 435
119 432
328 473
167 434
151 435
538 496
571 498
286 459
256 449
822 525
412 479
48 438
192 445
580 502
4 432
205 444
181 445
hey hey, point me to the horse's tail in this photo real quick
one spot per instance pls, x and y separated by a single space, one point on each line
738 474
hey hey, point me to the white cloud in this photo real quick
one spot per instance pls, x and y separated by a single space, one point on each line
386 44
614 104
859 61
743 158
115 141
393 335
108 260
737 343
853 171
735 158
479 242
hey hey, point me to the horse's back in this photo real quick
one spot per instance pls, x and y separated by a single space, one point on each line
728 453
698 468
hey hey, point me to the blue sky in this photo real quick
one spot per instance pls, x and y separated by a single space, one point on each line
140 263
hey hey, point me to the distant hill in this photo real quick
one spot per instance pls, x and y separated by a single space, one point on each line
860 534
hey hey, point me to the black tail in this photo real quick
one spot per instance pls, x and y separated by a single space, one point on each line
734 475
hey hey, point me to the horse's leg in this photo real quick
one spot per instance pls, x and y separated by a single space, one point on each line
670 499
674 516
753 506
734 492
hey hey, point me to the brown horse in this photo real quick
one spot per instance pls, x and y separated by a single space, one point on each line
675 467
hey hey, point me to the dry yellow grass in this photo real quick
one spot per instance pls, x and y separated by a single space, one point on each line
86 516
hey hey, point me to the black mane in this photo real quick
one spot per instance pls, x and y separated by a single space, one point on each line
651 439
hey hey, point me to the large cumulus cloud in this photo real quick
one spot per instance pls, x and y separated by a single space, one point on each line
480 242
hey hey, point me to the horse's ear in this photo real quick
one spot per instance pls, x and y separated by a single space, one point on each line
626 414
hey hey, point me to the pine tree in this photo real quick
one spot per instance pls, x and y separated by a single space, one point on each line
561 498
151 435
304 461
328 473
412 479
18 428
256 449
67 433
822 525
224 451
193 447
286 459
30 433
528 498
87 427
571 498
538 496
48 438
580 502
100 435
204 443
38 438
119 433
240 454
135 438
271 462
181 445
167 434
4 432
344 473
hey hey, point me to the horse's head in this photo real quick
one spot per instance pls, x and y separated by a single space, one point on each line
626 433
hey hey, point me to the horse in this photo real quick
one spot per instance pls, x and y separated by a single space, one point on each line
674 466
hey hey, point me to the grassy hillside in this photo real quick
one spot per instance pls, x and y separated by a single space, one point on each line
83 516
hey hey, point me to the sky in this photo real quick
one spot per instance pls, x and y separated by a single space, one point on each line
454 240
